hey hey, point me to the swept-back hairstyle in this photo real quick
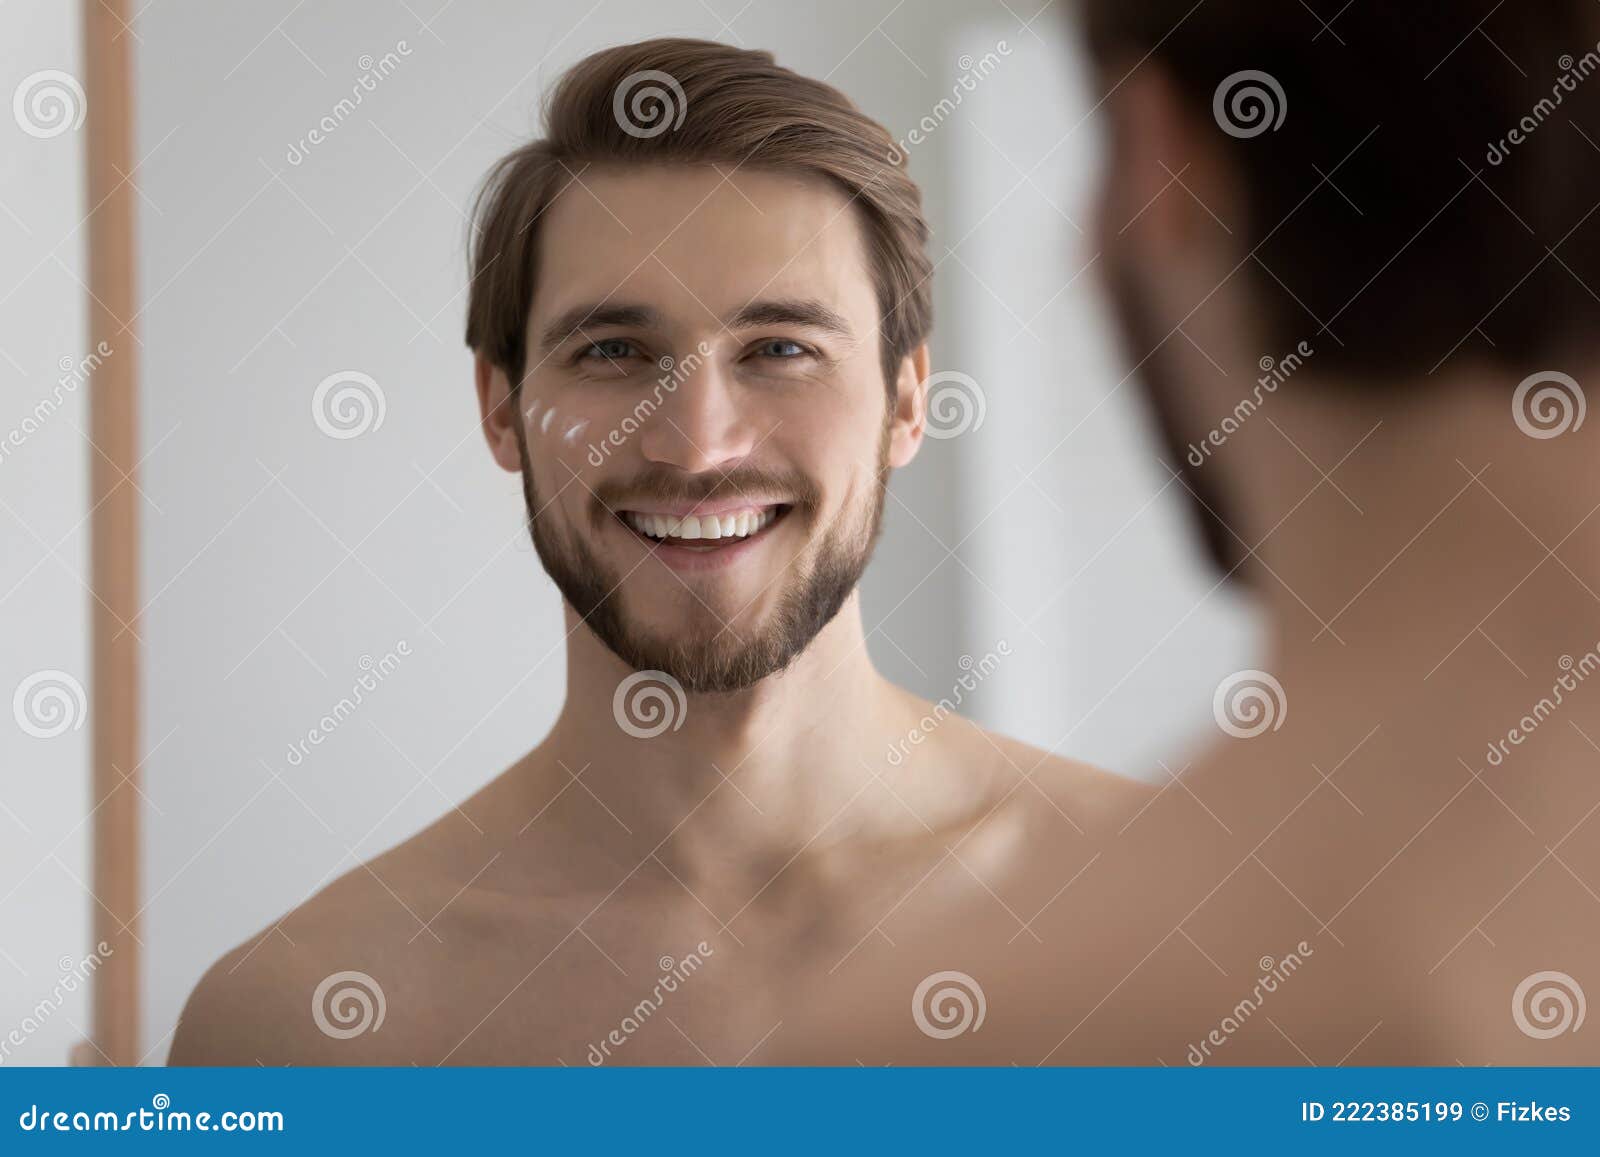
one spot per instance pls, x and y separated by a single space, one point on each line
695 102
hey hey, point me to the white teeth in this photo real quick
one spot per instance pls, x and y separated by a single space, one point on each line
704 526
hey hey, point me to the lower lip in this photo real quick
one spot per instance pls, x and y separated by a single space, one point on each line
688 558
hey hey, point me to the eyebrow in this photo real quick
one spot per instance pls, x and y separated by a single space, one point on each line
788 311
593 316
812 314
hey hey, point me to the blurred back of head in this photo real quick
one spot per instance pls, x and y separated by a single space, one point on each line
1433 182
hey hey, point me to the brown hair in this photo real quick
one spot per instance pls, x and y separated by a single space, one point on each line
694 102
1409 198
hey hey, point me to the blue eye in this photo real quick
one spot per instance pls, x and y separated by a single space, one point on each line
781 348
610 349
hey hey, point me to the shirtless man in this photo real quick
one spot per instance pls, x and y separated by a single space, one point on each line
699 309
1363 300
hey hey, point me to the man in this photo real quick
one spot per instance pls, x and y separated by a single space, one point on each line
699 309
1355 250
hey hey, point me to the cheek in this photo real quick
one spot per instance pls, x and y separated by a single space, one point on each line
556 426
847 414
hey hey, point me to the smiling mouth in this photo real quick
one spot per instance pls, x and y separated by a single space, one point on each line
704 532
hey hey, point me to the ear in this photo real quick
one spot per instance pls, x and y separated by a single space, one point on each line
910 414
499 412
1167 190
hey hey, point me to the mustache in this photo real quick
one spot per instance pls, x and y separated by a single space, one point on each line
666 484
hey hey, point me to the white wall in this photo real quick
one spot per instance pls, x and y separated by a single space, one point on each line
1081 554
280 557
44 788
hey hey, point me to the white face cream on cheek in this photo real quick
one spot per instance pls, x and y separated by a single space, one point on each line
544 422
574 431
528 410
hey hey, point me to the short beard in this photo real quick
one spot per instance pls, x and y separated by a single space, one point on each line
717 660
1163 381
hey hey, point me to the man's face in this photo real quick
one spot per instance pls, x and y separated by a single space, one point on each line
702 425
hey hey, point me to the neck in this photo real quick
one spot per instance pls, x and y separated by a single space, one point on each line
735 777
1425 554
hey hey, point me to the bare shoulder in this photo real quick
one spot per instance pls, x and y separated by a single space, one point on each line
318 985
1091 795
290 993
1092 785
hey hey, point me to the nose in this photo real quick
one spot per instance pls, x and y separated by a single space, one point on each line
701 424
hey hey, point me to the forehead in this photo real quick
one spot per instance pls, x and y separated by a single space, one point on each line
692 239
